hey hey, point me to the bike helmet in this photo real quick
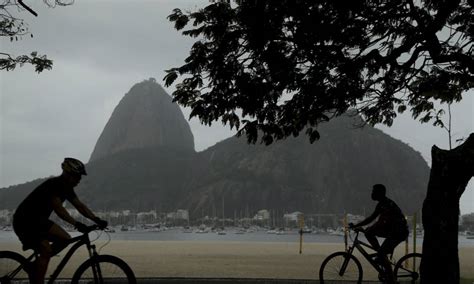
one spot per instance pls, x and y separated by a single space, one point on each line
73 166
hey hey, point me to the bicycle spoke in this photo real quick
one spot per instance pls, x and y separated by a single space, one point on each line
12 272
110 273
407 269
104 269
340 267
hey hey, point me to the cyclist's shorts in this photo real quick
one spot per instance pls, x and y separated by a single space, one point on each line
389 245
31 232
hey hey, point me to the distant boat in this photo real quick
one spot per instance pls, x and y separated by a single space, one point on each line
154 229
338 232
202 229
7 228
318 231
307 230
110 230
240 231
187 230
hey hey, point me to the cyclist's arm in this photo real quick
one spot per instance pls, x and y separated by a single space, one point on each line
369 219
83 209
61 211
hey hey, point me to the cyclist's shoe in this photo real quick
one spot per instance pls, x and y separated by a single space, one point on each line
382 277
385 276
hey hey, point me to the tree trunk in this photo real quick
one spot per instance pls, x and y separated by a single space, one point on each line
450 174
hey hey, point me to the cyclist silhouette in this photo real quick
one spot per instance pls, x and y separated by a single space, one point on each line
391 225
31 219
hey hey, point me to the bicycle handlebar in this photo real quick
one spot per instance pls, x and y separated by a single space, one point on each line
93 228
356 229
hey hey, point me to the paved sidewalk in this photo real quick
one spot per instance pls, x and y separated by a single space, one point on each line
225 281
178 280
237 280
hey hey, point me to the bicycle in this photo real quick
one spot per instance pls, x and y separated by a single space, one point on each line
343 265
15 268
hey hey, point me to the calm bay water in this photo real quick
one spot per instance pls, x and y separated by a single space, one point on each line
231 235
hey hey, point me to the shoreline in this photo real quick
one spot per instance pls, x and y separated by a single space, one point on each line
232 259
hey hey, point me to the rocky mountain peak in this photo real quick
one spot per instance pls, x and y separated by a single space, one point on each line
145 117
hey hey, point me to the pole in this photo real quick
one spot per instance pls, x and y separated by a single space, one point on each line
414 233
406 241
344 221
406 248
301 223
301 241
414 239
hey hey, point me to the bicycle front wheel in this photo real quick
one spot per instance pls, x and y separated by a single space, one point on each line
104 269
340 266
407 269
13 268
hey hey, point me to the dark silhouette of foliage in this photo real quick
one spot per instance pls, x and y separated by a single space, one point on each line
284 66
281 67
16 28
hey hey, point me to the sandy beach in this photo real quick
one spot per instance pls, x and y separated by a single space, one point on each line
227 259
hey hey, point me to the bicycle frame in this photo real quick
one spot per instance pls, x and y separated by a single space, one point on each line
359 245
78 242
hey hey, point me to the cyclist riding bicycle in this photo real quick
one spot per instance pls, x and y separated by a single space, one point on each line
31 219
391 225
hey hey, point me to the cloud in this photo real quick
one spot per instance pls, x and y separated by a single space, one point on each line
100 49
113 36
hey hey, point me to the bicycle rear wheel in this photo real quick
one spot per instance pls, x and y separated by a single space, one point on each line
407 269
104 269
13 268
340 266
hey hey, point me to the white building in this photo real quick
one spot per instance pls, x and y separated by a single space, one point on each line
292 217
182 214
262 215
354 218
146 217
6 215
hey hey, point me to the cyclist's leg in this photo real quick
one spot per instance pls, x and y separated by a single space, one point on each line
37 240
388 246
371 234
58 237
48 231
42 261
381 230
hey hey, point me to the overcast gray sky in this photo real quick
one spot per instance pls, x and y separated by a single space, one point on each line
100 50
